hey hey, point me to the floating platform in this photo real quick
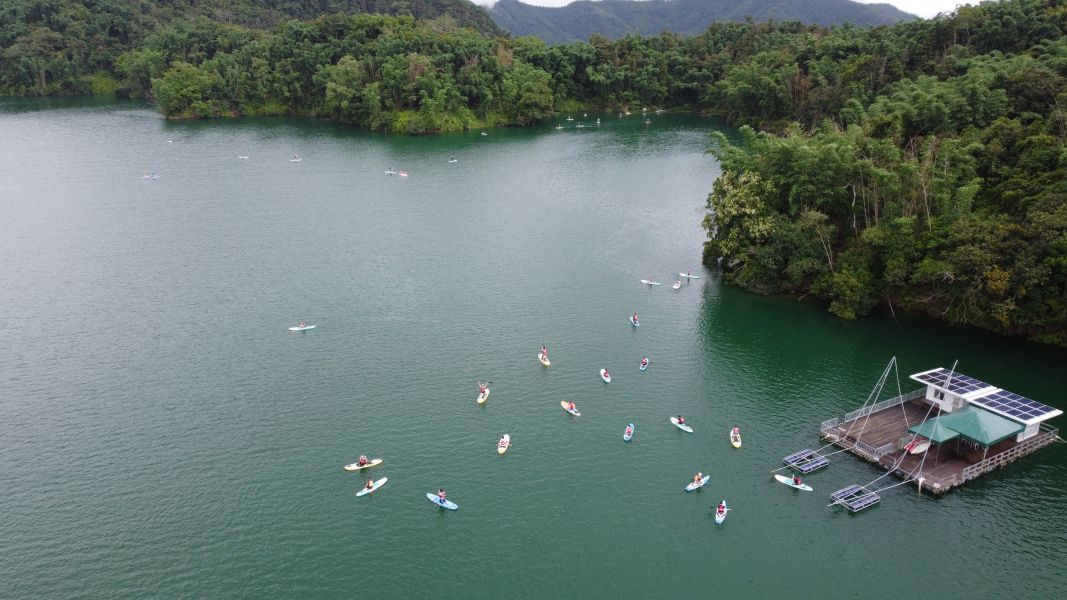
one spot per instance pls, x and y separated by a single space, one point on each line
855 498
806 461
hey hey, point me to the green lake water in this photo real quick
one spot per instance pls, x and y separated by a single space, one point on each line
164 436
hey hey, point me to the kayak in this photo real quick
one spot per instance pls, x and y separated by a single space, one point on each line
681 426
544 360
629 433
567 407
304 328
721 516
634 322
446 503
483 396
789 481
735 439
377 484
677 284
502 446
370 464
696 485
643 366
605 375
650 282
688 276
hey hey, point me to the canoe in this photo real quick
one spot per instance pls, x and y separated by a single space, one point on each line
696 485
567 407
377 484
502 446
446 503
735 439
721 516
370 464
605 375
483 396
681 426
544 360
789 481
304 328
629 433
634 322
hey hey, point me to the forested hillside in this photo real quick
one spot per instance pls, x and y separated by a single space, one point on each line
50 47
614 19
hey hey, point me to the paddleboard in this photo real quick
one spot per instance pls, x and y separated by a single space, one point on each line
370 463
242 156
721 516
696 485
483 396
402 173
677 284
650 282
544 360
688 276
446 503
917 447
634 323
642 366
295 159
681 426
567 407
453 161
789 481
304 328
735 439
629 433
605 376
390 172
377 484
502 446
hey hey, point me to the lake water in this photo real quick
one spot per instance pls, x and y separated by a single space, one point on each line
164 435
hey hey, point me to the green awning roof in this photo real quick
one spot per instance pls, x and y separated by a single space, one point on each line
934 430
979 425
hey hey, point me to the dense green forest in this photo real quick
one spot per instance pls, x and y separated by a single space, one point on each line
613 19
920 166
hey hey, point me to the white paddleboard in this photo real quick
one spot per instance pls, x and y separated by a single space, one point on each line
567 407
682 426
503 445
688 276
358 467
605 375
367 490
789 481
694 485
650 282
543 360
446 503
304 328
721 516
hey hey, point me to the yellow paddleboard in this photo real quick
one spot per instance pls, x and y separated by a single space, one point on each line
735 439
483 396
503 446
544 361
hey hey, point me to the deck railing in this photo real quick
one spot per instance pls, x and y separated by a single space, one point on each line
1046 437
873 452
827 426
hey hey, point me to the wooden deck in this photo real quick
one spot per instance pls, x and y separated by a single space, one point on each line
880 437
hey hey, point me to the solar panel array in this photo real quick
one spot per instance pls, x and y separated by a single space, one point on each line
957 384
1014 405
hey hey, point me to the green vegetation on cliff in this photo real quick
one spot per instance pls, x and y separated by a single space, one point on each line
925 169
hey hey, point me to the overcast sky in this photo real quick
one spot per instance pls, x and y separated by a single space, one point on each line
923 8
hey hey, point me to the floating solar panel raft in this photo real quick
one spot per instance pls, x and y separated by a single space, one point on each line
806 461
855 498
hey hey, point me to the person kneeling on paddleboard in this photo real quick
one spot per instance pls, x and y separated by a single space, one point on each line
698 477
370 484
572 406
722 509
440 495
644 361
796 480
681 420
362 460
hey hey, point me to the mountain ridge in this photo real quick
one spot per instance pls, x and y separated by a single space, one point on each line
616 18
